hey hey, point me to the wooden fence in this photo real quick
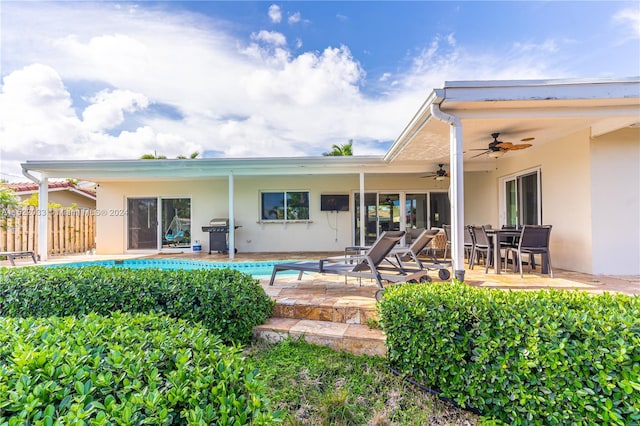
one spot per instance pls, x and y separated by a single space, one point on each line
70 230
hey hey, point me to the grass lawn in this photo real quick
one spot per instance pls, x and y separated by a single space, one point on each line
315 385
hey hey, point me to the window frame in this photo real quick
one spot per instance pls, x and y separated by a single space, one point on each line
158 222
285 206
504 180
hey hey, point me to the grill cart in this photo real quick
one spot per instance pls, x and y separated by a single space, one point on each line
218 230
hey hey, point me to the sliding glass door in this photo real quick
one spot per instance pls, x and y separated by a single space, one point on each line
521 199
400 211
176 222
439 209
370 217
158 222
142 223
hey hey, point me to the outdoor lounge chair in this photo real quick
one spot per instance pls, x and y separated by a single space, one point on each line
367 265
11 255
408 259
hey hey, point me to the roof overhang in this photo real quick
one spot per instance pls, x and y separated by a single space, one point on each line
544 109
104 170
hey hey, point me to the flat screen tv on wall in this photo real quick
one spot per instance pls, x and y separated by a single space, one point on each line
334 203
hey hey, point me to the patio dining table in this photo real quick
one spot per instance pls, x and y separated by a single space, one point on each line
498 236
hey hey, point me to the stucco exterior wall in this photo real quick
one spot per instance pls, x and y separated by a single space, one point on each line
615 191
566 196
326 231
480 198
67 198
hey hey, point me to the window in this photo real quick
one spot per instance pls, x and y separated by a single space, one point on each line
290 206
521 199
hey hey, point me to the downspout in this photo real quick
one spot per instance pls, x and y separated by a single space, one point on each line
362 212
457 186
43 212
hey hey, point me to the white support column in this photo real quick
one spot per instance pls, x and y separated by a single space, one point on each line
43 223
456 189
232 221
363 228
457 210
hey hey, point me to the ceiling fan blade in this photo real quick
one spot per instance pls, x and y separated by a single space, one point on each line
428 176
505 145
520 146
486 151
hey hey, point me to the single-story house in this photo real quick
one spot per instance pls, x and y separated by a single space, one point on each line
558 152
65 193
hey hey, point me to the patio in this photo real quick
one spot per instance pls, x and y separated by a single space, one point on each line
563 279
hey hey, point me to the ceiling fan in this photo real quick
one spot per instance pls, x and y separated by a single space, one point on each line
497 149
439 174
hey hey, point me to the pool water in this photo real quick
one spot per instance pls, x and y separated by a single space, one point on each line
255 269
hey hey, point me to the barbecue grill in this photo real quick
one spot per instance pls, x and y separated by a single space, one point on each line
218 230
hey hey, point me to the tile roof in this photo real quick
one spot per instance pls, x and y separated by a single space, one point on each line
33 187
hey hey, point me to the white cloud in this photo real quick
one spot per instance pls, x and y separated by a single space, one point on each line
631 18
270 37
107 108
275 14
36 112
550 46
295 18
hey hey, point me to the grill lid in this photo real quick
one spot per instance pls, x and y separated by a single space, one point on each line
219 221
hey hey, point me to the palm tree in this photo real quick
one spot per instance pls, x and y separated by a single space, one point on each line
154 156
340 150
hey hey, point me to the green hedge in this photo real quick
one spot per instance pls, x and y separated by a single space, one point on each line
537 357
126 369
226 301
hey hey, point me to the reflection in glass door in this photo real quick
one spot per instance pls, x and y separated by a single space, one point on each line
370 217
416 211
382 213
388 212
142 223
176 222
440 211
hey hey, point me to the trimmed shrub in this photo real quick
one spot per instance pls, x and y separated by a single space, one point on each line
126 369
543 357
226 301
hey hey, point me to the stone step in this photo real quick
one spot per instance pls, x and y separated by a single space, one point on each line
357 339
348 310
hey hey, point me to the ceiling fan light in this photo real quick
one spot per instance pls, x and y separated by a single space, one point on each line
495 154
440 177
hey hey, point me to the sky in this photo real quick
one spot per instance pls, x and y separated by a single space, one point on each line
116 80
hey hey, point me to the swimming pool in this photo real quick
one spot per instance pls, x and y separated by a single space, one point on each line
255 269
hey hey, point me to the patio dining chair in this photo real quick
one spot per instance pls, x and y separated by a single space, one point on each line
469 244
447 234
482 245
534 240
